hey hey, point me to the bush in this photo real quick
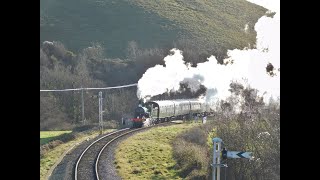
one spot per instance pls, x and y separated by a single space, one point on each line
255 127
45 148
191 153
83 128
111 124
195 135
67 137
197 175
63 138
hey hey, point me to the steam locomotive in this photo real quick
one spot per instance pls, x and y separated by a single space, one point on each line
154 112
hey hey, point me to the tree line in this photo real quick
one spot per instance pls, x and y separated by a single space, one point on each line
61 68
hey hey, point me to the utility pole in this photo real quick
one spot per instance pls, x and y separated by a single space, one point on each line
100 113
75 113
82 102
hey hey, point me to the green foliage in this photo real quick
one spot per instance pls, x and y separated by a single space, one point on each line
191 151
111 124
82 128
244 123
255 128
218 22
77 23
61 68
90 68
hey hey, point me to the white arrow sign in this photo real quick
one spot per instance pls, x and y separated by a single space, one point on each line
239 154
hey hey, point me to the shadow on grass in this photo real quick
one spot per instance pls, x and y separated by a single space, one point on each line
62 137
157 177
47 140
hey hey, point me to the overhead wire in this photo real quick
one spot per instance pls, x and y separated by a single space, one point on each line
79 89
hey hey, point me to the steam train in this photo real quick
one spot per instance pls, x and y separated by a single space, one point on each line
155 112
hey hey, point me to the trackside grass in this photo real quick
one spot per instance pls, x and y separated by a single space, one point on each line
148 155
47 136
53 155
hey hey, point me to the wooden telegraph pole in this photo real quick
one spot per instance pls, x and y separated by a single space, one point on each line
100 113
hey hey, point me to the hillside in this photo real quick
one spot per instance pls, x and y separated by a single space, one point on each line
129 37
214 25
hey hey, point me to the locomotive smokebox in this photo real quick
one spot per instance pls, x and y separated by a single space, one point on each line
140 102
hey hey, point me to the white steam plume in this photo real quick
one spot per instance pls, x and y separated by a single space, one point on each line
160 79
249 64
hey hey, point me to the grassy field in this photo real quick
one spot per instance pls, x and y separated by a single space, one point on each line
219 21
53 155
77 23
148 155
151 23
47 136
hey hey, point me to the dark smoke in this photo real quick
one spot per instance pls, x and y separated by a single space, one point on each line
184 92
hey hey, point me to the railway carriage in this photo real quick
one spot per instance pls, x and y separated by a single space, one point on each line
160 111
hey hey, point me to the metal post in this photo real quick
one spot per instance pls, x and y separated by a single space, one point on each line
218 161
82 102
216 158
225 154
214 161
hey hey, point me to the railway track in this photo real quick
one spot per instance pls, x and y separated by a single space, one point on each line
87 166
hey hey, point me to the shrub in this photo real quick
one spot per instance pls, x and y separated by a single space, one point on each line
67 137
45 148
112 124
255 127
191 153
83 128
